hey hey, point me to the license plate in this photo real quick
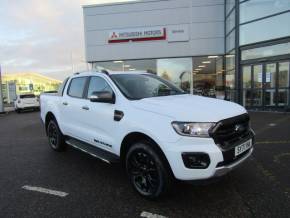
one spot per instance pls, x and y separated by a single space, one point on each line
243 147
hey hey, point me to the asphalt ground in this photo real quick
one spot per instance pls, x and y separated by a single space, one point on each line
260 187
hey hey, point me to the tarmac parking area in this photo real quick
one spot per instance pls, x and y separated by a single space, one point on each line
38 182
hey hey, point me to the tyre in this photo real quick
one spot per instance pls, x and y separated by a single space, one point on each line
56 139
147 171
18 110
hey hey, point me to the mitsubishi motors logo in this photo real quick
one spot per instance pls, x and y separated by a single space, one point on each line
114 36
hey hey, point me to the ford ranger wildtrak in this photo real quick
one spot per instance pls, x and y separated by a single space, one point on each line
155 130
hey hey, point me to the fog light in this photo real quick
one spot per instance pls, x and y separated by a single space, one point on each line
196 160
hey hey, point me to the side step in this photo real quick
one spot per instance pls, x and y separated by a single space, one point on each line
94 151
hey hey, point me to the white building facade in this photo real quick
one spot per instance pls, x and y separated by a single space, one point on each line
197 44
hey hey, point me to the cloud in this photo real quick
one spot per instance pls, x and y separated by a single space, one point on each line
40 36
43 36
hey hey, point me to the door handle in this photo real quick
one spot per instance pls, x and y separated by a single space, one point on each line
65 103
85 108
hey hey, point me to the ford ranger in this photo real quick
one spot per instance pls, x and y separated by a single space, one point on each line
155 130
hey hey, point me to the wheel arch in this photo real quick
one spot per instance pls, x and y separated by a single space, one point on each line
48 117
133 137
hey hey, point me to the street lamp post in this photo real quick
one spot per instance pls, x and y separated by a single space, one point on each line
1 94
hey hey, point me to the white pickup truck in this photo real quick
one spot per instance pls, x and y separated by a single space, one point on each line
158 132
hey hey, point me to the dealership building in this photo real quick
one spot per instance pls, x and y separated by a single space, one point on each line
229 49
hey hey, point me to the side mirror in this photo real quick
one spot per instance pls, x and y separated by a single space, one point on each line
103 96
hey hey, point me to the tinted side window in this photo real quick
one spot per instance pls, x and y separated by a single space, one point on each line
62 86
98 84
77 86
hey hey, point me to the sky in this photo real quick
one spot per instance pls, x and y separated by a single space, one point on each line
43 36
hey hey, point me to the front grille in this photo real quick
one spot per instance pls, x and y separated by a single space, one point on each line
230 132
229 157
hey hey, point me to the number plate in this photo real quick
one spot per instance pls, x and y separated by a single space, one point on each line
243 147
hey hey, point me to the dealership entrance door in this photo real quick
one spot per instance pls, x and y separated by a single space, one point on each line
266 85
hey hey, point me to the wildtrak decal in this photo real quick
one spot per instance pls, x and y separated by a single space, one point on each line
102 143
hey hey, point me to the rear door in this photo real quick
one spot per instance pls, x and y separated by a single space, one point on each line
71 108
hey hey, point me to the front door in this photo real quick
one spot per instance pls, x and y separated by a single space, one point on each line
98 117
266 85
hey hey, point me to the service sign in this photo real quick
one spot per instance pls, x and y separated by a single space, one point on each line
138 34
178 33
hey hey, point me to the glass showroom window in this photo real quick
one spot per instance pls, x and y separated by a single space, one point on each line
176 70
230 85
284 74
230 28
230 79
255 9
220 78
247 85
266 29
231 41
258 77
270 84
230 46
283 97
208 76
267 51
230 75
147 65
230 4
230 22
283 83
230 60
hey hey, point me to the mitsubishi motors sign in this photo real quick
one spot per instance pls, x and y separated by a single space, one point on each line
135 35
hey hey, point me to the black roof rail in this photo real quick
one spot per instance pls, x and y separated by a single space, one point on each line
105 72
78 73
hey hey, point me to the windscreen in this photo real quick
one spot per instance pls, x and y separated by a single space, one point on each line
139 86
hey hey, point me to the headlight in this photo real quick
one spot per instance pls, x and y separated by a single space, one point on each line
192 129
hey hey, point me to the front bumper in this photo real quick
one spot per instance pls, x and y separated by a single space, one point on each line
219 162
220 171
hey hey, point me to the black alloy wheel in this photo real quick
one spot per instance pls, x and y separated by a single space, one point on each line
52 135
55 137
146 171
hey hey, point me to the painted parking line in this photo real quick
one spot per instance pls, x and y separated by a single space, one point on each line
45 191
151 215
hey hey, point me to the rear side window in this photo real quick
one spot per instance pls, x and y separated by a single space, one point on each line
62 86
98 84
76 87
27 96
